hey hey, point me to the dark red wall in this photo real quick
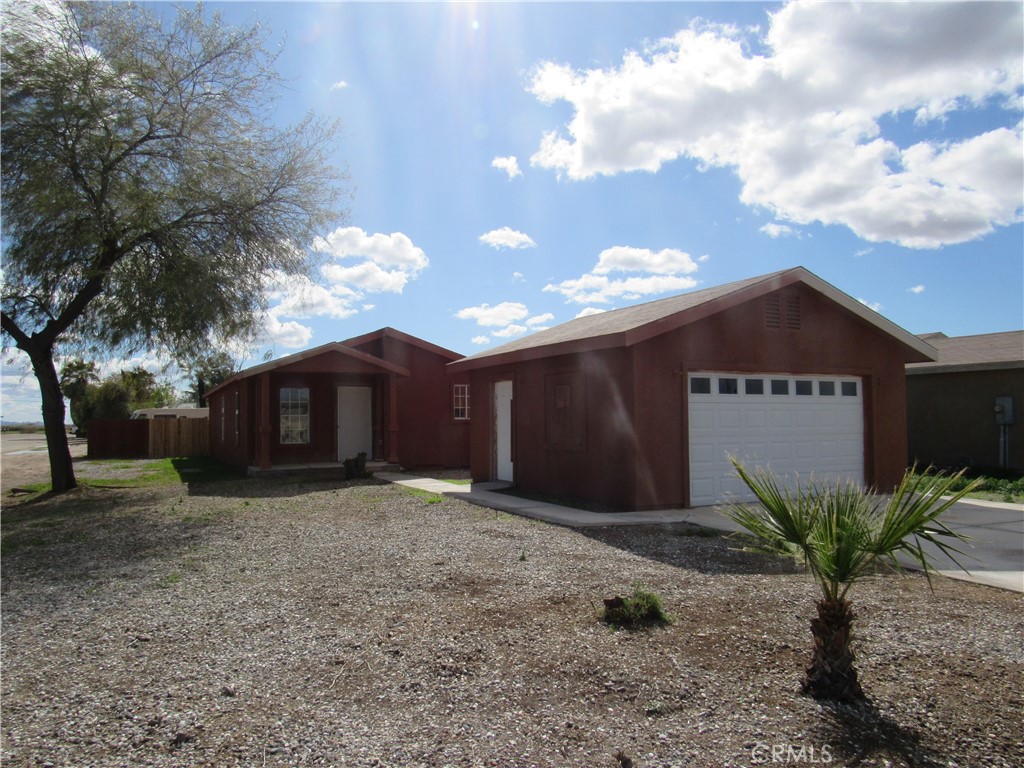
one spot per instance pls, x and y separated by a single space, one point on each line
635 450
429 434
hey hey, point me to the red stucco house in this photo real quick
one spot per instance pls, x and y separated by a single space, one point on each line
387 394
638 408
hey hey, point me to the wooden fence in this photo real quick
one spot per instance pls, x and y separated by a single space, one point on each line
148 438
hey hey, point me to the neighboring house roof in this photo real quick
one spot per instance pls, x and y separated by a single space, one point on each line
984 352
630 325
395 334
333 346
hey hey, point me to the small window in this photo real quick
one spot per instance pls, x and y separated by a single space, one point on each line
461 402
700 385
294 408
849 388
804 387
780 386
827 388
728 386
753 386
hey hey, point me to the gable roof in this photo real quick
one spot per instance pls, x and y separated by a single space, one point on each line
333 346
631 325
388 332
983 352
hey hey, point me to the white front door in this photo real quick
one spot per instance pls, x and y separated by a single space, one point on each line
795 426
503 431
355 422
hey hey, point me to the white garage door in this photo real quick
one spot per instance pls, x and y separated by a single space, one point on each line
792 425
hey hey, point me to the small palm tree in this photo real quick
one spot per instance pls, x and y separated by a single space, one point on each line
840 532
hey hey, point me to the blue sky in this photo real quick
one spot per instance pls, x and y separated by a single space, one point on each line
513 165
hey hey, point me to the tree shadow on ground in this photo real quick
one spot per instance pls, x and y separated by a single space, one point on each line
861 734
211 478
61 546
693 547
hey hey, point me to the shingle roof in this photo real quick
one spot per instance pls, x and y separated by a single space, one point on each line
987 351
630 325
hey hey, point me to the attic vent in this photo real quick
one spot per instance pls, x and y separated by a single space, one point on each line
772 312
793 313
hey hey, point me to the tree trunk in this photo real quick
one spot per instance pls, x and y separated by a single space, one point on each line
62 471
832 674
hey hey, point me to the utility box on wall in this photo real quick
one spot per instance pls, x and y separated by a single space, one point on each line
1004 410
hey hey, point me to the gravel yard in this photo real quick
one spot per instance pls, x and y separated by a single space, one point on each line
286 623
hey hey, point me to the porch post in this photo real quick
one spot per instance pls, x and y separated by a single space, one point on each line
393 419
263 451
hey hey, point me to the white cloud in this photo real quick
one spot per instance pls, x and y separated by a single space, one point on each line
288 334
507 164
506 237
801 123
917 289
480 340
624 258
547 317
590 311
299 297
499 315
863 252
662 271
599 289
876 306
339 86
774 230
509 331
394 250
517 276
368 276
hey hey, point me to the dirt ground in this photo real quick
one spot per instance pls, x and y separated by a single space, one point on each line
23 459
283 622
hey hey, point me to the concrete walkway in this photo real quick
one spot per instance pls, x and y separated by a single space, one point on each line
994 555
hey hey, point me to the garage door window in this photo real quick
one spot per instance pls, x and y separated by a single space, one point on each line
827 388
753 386
849 389
780 386
700 385
804 387
727 386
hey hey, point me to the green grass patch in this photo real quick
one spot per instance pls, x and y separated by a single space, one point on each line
458 482
429 496
642 608
168 581
992 487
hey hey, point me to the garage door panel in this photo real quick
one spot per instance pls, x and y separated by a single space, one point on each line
795 436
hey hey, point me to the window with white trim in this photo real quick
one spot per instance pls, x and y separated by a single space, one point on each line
294 407
460 402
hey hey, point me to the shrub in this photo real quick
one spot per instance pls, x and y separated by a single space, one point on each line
640 609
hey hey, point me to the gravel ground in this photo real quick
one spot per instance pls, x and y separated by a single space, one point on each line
289 623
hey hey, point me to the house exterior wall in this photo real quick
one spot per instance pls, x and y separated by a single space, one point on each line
951 418
430 434
635 453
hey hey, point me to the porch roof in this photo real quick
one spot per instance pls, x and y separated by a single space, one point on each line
372 364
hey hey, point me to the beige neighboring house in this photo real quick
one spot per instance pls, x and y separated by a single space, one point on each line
966 409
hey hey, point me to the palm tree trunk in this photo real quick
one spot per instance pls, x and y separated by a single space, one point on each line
832 674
